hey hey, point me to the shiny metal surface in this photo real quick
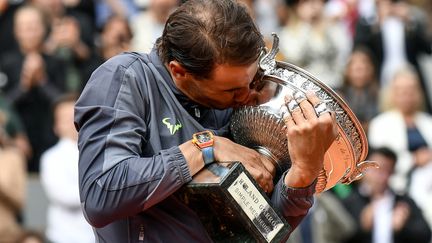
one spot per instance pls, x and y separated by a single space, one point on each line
262 128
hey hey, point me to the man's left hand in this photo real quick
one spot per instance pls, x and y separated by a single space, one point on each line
309 136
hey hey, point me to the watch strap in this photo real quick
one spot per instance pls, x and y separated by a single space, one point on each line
208 155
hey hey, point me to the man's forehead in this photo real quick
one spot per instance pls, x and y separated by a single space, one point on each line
233 69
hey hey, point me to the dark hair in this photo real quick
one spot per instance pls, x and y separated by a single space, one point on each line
384 151
202 33
368 52
121 38
292 3
64 98
371 58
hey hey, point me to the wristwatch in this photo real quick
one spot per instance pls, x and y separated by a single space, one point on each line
204 141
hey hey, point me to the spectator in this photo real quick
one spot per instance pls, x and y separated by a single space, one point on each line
313 42
70 39
56 10
14 128
34 79
420 186
59 176
404 128
397 36
104 9
115 38
383 216
84 7
344 11
153 19
426 6
327 222
360 88
263 13
7 11
12 186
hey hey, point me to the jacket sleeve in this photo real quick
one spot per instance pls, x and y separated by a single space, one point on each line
293 203
115 181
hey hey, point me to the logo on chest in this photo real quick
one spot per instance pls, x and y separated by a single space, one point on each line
172 127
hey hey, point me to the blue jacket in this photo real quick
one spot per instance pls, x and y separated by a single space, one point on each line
131 119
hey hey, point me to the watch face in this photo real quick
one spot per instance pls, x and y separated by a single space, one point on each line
203 137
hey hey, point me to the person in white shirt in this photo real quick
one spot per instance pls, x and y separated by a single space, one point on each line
406 129
148 25
59 177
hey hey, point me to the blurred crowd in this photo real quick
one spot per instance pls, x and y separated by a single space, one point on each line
369 51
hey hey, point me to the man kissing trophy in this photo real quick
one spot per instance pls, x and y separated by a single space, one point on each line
229 202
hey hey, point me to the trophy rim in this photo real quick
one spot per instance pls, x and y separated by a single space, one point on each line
334 95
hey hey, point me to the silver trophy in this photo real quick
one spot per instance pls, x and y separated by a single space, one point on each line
229 202
261 127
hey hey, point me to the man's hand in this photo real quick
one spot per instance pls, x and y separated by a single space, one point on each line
366 217
225 150
401 213
309 137
261 169
33 71
65 33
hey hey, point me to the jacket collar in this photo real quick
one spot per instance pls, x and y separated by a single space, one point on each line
194 109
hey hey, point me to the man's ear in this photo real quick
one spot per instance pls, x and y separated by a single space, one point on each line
178 72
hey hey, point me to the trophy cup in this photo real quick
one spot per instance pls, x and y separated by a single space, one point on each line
229 202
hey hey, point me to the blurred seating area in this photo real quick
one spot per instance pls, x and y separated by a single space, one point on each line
376 54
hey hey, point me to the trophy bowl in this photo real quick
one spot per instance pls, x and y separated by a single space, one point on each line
262 128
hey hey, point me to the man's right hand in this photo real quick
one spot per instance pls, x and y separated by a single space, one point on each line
261 169
225 150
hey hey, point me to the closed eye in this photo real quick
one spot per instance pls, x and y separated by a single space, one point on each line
232 90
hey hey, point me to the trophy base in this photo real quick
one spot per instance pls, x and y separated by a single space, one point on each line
232 207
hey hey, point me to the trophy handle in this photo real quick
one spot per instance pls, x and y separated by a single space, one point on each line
267 61
358 171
